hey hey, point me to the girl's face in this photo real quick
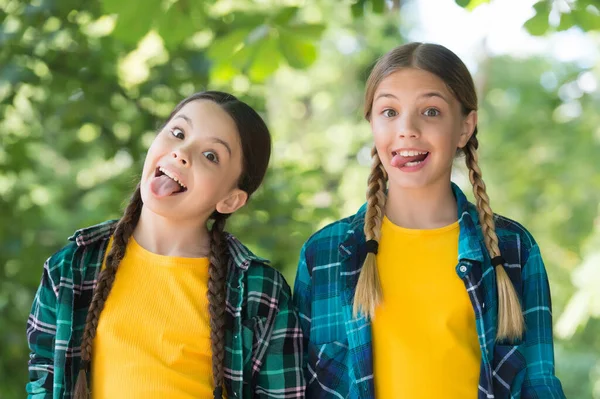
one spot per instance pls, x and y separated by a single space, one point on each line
193 165
418 125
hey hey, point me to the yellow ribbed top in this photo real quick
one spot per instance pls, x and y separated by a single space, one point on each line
424 337
153 337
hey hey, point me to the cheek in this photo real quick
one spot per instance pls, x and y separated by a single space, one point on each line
379 127
209 181
455 140
150 156
381 139
380 133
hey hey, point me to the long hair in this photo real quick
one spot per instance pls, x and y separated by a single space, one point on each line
256 150
446 65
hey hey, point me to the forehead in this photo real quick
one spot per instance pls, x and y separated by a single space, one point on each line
412 82
209 118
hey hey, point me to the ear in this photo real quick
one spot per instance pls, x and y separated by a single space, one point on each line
235 200
468 127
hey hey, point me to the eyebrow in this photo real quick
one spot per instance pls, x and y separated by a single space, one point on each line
222 142
427 95
435 94
186 118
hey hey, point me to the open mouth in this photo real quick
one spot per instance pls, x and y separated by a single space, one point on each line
160 171
408 158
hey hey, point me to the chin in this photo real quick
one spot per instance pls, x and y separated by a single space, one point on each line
409 184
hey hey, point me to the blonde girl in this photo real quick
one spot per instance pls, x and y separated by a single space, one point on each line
422 294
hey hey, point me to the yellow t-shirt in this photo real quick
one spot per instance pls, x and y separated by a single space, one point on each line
153 337
424 337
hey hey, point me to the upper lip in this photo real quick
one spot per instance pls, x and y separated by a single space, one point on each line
409 151
171 173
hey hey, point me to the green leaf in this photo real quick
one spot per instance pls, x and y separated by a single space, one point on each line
115 6
265 61
473 4
378 6
298 53
176 25
248 19
306 31
358 9
224 47
583 3
132 24
241 59
586 20
566 22
285 15
257 34
538 24
223 73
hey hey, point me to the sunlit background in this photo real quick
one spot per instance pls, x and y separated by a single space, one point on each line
84 85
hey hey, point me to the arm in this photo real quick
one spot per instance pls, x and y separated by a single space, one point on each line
41 331
281 374
540 381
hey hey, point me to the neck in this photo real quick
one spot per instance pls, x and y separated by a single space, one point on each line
422 208
169 237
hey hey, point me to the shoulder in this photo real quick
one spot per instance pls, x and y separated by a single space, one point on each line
260 278
92 234
263 280
330 237
82 243
514 239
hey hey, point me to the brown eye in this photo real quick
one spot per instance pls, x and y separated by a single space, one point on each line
211 156
177 132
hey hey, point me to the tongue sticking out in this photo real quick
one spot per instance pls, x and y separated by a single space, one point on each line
399 161
163 186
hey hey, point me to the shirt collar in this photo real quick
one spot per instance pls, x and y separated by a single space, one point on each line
470 241
240 254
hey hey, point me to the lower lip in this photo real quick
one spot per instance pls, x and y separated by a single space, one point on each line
416 167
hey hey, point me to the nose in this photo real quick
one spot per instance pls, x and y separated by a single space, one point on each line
407 128
180 158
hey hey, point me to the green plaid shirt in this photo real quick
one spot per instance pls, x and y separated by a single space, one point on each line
339 356
263 351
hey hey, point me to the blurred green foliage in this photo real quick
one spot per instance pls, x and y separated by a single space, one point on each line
83 87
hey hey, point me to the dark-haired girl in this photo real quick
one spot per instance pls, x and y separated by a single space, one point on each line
163 303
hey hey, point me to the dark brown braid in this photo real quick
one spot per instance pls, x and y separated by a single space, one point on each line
217 274
123 231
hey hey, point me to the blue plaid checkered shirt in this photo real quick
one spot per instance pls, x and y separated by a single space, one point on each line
338 347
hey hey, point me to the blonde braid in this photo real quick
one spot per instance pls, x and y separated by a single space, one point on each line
368 289
510 316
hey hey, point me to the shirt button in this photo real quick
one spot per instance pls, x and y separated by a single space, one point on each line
463 269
